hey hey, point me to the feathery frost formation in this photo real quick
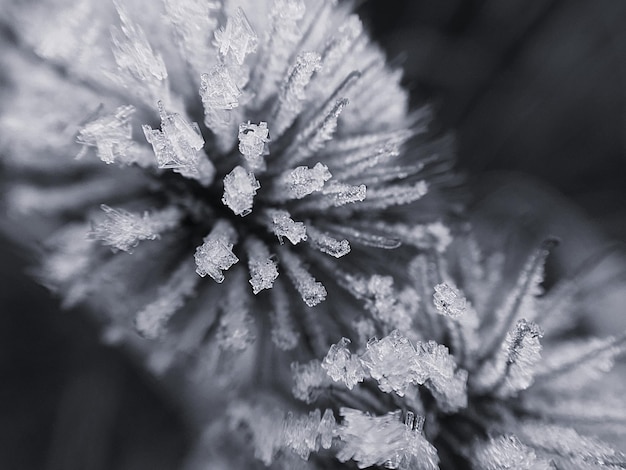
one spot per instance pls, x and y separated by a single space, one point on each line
259 139
480 384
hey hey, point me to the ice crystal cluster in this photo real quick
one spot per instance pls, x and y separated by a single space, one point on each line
237 141
489 375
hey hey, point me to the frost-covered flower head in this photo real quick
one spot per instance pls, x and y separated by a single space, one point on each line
492 376
227 149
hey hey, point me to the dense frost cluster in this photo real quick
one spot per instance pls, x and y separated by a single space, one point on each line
241 182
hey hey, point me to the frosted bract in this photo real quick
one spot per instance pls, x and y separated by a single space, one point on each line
216 253
150 321
449 301
308 380
237 39
123 230
240 187
140 68
311 291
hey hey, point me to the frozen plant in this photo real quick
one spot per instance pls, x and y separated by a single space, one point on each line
220 156
495 378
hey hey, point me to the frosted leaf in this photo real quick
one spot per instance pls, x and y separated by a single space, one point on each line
311 291
70 255
579 362
292 95
177 145
194 22
216 253
394 195
263 270
513 368
26 199
566 442
235 330
111 135
523 351
238 38
284 33
282 225
240 187
218 90
123 230
306 434
314 137
309 380
449 301
521 302
150 320
284 334
366 237
140 68
253 141
265 427
506 452
273 431
390 361
327 244
383 440
343 194
301 181
339 46
341 365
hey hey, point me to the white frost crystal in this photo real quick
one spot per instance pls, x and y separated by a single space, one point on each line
302 181
383 440
253 139
177 145
449 301
263 270
283 225
216 253
240 187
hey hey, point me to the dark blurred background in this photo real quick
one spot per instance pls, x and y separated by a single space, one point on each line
536 93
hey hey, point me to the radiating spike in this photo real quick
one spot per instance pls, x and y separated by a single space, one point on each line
300 182
325 243
140 69
123 230
284 334
151 320
253 140
312 292
292 92
237 39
